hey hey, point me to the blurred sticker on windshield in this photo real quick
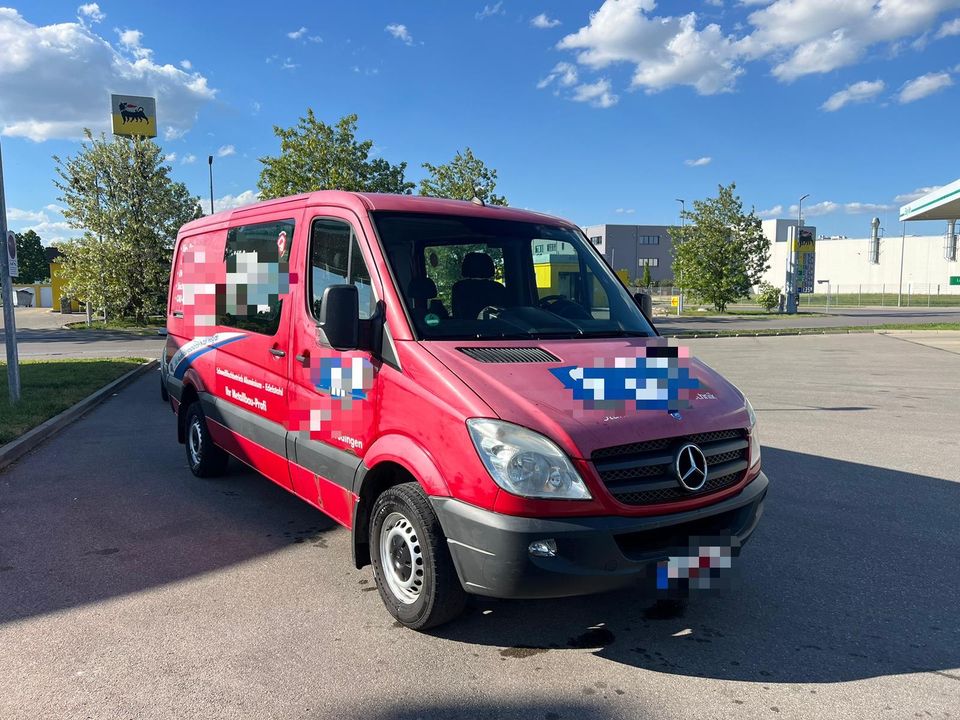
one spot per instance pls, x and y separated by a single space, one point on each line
656 377
431 319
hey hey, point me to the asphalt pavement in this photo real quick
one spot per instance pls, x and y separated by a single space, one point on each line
131 589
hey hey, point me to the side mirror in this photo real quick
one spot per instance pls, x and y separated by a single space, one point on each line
645 303
340 317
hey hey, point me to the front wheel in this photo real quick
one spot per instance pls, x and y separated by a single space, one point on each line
411 562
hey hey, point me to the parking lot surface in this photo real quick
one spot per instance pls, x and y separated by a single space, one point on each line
131 589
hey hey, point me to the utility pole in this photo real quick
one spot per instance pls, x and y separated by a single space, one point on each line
9 319
683 224
210 163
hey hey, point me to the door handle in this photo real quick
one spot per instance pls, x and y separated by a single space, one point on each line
303 357
277 352
177 314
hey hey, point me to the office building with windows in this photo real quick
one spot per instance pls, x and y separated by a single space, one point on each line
631 247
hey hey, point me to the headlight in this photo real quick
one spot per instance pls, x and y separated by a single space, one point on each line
525 463
754 437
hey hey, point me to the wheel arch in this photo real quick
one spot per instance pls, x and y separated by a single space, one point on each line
391 460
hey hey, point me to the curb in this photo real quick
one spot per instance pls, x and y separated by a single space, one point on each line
15 449
948 333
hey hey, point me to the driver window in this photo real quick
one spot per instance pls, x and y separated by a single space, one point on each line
560 277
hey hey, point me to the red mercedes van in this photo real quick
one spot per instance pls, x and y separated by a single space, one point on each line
469 389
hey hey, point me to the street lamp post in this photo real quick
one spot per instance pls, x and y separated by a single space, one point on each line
210 163
683 224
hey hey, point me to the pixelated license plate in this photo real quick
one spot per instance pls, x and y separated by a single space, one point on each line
705 564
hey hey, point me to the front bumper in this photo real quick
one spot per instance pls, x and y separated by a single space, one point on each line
595 554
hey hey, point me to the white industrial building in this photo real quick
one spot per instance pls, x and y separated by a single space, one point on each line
882 263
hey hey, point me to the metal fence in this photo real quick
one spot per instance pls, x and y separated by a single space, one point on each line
843 296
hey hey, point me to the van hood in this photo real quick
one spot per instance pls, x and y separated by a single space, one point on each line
541 393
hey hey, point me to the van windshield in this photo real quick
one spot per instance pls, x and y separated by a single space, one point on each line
474 278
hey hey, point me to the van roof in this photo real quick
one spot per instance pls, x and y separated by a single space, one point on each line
362 203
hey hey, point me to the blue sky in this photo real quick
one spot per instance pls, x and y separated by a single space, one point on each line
595 111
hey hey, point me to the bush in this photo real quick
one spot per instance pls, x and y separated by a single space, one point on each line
768 296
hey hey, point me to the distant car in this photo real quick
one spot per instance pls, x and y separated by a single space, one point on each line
469 389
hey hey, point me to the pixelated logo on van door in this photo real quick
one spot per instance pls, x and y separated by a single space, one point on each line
656 377
346 379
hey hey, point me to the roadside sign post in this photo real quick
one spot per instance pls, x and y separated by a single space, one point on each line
9 320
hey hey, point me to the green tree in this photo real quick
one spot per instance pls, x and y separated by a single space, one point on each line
645 279
463 178
768 296
30 258
721 252
317 156
120 194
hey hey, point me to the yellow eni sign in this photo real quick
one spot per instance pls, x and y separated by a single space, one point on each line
134 115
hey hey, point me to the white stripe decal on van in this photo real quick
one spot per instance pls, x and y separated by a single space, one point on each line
190 351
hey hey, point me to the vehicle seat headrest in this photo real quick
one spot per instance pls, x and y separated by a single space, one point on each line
477 265
422 288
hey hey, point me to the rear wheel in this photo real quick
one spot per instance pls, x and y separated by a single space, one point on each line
204 457
411 562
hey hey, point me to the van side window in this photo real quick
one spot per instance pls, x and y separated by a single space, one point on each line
257 259
335 259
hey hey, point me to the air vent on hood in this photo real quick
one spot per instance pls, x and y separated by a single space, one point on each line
509 354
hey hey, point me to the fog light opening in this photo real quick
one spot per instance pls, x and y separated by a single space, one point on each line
543 548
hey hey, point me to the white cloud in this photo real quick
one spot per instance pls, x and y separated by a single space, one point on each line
170 157
625 211
91 12
699 162
188 159
859 208
226 151
289 64
826 207
490 10
796 37
563 73
858 92
596 93
255 106
914 194
297 34
949 29
544 22
15 215
229 202
172 133
132 41
42 62
664 51
186 65
400 32
775 211
49 230
925 85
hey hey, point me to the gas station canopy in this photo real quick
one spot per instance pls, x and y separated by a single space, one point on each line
940 204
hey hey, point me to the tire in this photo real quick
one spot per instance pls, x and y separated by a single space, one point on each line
164 395
205 459
420 587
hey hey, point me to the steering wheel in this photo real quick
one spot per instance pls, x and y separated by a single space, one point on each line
548 300
564 307
489 312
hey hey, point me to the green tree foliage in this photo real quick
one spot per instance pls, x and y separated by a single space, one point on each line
317 156
645 279
30 258
463 178
721 253
768 296
119 193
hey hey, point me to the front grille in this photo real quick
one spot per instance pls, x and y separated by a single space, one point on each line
509 354
642 473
